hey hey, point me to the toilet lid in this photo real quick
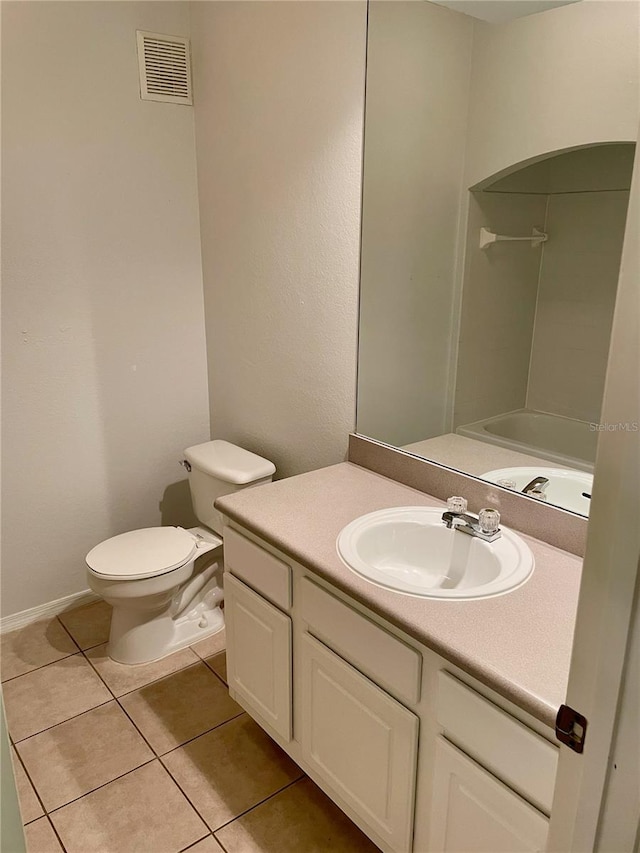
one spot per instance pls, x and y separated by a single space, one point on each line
142 553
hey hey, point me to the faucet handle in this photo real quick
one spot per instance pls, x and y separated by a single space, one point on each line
457 504
489 520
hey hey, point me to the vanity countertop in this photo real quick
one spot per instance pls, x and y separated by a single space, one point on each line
519 644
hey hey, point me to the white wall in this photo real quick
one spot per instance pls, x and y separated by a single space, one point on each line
104 352
418 68
535 324
567 77
498 307
573 80
576 299
279 90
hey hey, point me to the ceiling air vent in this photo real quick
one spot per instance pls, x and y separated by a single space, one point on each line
165 70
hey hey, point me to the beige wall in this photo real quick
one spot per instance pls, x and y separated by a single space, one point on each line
538 84
536 323
498 307
573 80
104 351
418 69
576 298
280 89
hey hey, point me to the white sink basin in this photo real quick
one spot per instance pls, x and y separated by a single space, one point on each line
410 550
566 488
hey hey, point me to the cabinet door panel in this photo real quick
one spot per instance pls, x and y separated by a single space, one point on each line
512 752
361 741
258 655
474 812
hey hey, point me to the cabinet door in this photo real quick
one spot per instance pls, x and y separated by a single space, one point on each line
474 812
258 655
360 741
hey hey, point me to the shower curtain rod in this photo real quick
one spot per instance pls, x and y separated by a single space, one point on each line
488 237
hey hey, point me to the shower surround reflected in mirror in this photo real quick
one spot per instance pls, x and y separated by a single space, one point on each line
494 357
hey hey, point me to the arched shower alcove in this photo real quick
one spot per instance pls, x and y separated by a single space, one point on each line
536 314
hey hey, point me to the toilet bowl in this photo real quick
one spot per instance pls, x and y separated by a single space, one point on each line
165 583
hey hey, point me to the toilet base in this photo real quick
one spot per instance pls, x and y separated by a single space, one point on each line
142 637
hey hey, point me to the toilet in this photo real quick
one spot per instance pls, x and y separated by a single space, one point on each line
165 583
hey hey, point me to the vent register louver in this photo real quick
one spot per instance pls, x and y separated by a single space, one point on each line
165 69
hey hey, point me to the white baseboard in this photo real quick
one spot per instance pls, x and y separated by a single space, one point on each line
52 608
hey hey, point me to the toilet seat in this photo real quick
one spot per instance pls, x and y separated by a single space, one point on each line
143 553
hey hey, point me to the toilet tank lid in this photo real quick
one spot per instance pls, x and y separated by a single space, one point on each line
229 462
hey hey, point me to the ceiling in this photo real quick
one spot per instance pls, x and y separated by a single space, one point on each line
499 11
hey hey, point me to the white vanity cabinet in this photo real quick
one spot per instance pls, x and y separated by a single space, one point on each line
417 757
493 777
473 812
362 742
258 656
259 641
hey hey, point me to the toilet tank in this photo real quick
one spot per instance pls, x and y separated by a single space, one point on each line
219 468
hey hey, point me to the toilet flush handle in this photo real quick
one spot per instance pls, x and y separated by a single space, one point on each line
185 464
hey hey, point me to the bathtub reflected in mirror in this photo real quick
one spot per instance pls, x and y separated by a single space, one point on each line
485 354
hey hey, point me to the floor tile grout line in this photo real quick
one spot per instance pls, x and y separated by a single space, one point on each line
68 720
155 756
202 657
103 785
146 684
220 677
202 734
47 814
237 817
31 782
186 796
137 728
266 799
90 662
42 666
161 755
191 846
72 717
210 835
217 840
95 669
217 674
122 708
69 632
55 832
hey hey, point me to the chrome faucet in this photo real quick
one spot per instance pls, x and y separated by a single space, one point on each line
536 487
484 526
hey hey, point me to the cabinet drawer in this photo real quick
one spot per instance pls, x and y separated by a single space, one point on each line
520 757
258 568
360 741
384 658
258 656
474 812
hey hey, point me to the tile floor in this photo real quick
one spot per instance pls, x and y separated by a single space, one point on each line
149 759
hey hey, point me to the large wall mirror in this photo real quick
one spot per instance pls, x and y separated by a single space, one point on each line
497 166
